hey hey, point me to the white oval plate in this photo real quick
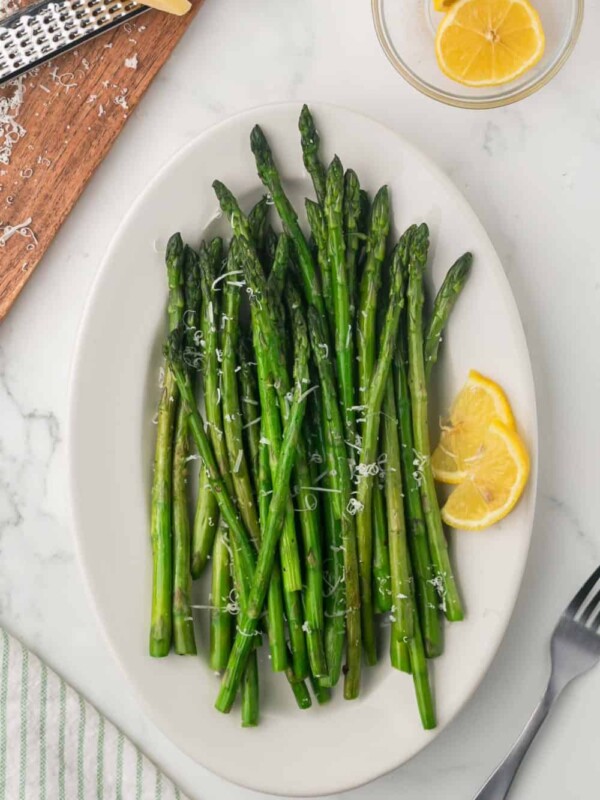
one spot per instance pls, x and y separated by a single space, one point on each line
111 439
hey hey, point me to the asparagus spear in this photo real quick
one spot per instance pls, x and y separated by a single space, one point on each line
352 211
335 594
281 262
420 673
250 404
400 655
318 227
161 625
207 512
258 222
368 466
232 416
442 308
264 324
277 511
220 618
382 592
250 693
335 426
310 141
267 172
418 391
275 616
379 226
183 625
402 589
336 251
309 525
271 240
420 554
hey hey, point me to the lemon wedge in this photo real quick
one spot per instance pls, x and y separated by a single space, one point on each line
489 42
477 405
494 482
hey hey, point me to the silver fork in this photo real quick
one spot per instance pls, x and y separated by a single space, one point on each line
575 648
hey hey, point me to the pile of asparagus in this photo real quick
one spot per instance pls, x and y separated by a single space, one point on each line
316 501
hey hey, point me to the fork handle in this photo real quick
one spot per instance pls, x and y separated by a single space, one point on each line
500 781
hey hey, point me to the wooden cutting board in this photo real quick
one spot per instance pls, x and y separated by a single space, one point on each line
56 126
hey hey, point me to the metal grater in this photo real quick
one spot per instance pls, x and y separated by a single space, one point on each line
42 31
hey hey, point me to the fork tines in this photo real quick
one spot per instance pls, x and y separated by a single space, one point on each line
579 601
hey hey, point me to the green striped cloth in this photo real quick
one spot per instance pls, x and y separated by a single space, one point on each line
55 746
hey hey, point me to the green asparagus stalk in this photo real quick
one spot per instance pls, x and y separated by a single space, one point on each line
207 512
335 426
336 251
445 300
323 466
400 655
264 323
424 573
335 594
271 240
322 693
272 435
269 175
402 589
318 227
277 512
352 212
418 391
309 526
379 226
420 673
231 412
310 141
258 222
382 592
275 605
161 625
300 691
368 467
250 693
250 404
183 624
279 270
221 621
295 619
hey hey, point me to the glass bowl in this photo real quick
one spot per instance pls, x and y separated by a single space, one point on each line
406 31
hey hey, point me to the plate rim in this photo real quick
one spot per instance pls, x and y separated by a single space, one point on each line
75 523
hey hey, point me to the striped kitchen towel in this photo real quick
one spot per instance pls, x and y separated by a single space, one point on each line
55 746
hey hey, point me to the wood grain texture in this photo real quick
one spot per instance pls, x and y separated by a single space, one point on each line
57 125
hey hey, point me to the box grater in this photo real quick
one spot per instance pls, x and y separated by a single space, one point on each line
42 31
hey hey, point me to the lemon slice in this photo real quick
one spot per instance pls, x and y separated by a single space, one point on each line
479 402
489 42
494 483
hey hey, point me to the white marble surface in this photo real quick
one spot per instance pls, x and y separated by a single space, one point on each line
531 171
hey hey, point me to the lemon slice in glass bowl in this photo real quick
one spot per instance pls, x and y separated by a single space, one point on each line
489 42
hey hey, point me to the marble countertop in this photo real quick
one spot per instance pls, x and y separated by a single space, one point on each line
531 172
